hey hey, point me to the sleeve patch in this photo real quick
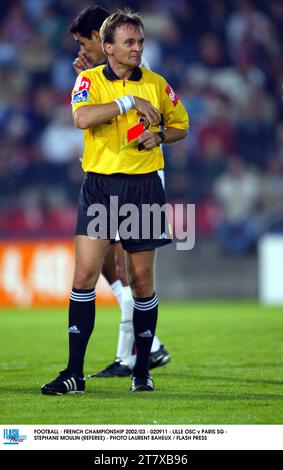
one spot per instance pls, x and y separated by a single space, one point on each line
80 97
82 83
172 95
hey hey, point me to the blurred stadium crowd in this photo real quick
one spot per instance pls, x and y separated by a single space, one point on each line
225 60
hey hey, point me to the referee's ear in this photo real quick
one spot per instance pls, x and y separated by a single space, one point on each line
108 48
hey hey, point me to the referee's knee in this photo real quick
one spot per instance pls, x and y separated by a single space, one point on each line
84 279
141 286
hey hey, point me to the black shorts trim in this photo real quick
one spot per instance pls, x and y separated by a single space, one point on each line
152 246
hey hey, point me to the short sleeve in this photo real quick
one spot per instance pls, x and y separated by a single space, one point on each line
84 91
173 110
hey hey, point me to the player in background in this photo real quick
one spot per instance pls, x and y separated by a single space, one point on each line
85 30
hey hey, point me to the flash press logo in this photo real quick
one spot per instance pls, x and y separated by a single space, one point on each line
12 436
146 222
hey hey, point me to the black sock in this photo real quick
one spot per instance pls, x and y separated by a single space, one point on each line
81 323
144 321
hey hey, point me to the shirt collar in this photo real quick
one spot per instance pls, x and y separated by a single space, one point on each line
111 75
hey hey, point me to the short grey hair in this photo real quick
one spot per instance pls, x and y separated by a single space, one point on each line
116 20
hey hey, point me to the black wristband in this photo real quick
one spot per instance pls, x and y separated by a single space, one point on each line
162 136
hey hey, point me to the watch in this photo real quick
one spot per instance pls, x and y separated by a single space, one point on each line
162 136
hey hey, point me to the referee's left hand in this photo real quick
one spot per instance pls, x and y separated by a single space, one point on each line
147 140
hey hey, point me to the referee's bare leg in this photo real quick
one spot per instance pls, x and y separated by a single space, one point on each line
89 256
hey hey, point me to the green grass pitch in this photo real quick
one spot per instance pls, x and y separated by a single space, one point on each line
227 368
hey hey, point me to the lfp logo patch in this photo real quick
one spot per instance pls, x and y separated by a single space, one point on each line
82 83
80 97
12 436
172 95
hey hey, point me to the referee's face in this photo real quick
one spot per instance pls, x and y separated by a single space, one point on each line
127 48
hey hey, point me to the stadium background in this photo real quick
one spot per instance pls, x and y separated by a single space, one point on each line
224 59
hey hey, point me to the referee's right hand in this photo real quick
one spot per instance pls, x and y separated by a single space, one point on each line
150 112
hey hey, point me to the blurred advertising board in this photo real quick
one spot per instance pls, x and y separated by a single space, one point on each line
270 269
38 273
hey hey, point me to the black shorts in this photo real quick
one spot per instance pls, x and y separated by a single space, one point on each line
132 205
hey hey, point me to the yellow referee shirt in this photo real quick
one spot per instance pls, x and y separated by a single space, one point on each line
106 149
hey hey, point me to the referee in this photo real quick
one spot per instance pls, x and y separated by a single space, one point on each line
109 102
85 31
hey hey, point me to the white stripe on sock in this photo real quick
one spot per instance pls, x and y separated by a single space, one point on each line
82 300
82 296
146 305
147 302
146 308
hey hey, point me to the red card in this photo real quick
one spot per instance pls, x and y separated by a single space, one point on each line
135 131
